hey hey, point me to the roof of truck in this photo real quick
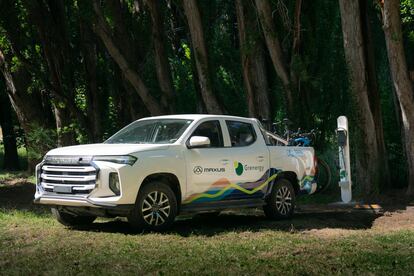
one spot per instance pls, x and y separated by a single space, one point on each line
196 116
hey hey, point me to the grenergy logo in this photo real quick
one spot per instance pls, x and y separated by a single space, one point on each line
238 168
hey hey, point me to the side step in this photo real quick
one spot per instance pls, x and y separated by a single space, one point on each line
220 205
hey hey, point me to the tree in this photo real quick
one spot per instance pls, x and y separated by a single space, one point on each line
253 63
193 16
401 81
368 164
103 30
162 66
94 97
28 107
272 41
10 159
374 96
50 23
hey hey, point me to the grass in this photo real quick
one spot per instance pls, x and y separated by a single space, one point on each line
32 242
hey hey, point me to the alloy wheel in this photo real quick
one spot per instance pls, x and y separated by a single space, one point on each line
156 208
283 200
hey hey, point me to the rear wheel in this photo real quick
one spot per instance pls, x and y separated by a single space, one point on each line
281 202
71 219
323 176
155 208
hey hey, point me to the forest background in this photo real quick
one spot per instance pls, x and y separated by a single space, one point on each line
77 71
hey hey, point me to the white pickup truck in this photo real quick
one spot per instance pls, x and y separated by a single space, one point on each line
157 168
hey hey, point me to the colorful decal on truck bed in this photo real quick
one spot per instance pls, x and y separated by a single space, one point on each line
308 184
223 189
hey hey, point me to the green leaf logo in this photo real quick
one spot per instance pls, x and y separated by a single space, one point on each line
238 167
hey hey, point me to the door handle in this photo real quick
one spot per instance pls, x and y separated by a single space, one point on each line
260 158
224 161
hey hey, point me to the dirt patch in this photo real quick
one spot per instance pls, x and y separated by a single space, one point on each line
401 218
18 194
397 220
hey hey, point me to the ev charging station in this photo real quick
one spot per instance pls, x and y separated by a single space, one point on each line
344 159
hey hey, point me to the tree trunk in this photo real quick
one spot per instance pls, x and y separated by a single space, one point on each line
368 165
162 65
296 42
200 55
93 96
176 30
102 29
28 108
401 80
50 22
373 91
65 134
272 41
253 62
10 158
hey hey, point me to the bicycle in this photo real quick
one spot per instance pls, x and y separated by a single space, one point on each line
302 139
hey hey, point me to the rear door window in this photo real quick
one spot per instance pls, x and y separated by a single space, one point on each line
241 134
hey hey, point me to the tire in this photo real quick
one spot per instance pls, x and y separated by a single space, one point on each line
281 201
72 220
155 208
323 176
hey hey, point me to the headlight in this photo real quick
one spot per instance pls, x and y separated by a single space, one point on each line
114 184
121 159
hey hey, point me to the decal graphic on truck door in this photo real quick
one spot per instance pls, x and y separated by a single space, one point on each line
223 189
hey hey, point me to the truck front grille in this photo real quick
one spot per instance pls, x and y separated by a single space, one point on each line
68 179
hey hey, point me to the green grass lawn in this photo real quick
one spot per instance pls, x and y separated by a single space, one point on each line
32 242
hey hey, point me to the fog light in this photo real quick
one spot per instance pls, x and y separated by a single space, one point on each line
114 184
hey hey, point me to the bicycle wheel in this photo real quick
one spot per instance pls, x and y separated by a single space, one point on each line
323 176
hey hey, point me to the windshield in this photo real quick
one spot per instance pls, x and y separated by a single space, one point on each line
157 131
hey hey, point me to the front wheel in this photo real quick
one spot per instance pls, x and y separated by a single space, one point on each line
71 220
155 208
281 201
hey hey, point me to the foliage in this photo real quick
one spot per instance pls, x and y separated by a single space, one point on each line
323 92
39 141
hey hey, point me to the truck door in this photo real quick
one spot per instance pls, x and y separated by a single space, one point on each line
249 156
206 166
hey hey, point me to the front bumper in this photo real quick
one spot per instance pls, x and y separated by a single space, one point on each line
100 197
71 201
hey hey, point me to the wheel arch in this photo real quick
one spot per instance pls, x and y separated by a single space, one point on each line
292 178
169 179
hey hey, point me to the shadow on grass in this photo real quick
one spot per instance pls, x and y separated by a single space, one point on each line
252 221
19 196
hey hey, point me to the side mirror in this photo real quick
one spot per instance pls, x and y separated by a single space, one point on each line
198 142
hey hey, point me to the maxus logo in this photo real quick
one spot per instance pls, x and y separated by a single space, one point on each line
238 167
200 170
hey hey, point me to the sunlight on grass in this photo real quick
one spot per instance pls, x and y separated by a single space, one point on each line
108 247
242 242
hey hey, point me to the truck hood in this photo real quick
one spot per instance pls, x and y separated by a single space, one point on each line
105 149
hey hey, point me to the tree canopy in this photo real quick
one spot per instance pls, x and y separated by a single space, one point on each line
77 71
